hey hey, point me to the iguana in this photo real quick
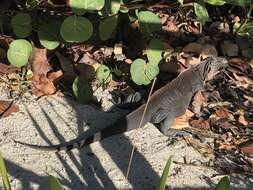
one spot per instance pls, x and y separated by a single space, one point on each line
165 105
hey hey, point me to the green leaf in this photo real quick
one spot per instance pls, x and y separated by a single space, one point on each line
143 73
111 7
155 50
81 6
181 1
201 12
103 74
19 52
149 22
76 29
163 179
223 184
82 89
54 183
107 26
21 24
246 30
3 172
242 3
215 2
49 35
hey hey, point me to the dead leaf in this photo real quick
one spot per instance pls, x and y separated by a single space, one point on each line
7 108
38 62
54 76
200 124
171 27
242 119
247 148
240 64
41 85
223 113
182 121
7 69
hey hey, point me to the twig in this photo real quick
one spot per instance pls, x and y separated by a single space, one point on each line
141 122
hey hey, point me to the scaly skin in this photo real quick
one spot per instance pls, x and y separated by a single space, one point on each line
165 105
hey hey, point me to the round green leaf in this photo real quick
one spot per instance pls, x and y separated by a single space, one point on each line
76 29
106 27
81 6
215 2
155 50
201 12
142 72
103 74
82 89
49 35
111 7
21 24
19 52
149 22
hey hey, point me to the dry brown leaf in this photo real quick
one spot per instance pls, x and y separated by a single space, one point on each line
200 124
7 108
54 76
239 63
223 113
182 121
242 119
171 27
40 67
42 85
247 148
38 62
7 69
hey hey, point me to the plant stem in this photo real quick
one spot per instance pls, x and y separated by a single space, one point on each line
246 19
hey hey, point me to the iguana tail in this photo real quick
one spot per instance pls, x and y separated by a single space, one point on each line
127 123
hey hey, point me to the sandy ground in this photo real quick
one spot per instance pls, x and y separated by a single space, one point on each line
99 166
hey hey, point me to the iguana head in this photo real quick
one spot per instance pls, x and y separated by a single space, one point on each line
211 66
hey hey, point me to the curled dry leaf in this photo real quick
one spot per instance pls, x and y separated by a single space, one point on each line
242 119
7 108
41 85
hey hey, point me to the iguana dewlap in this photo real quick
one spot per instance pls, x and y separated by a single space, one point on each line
164 106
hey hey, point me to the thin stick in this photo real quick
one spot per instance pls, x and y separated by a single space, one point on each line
143 114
